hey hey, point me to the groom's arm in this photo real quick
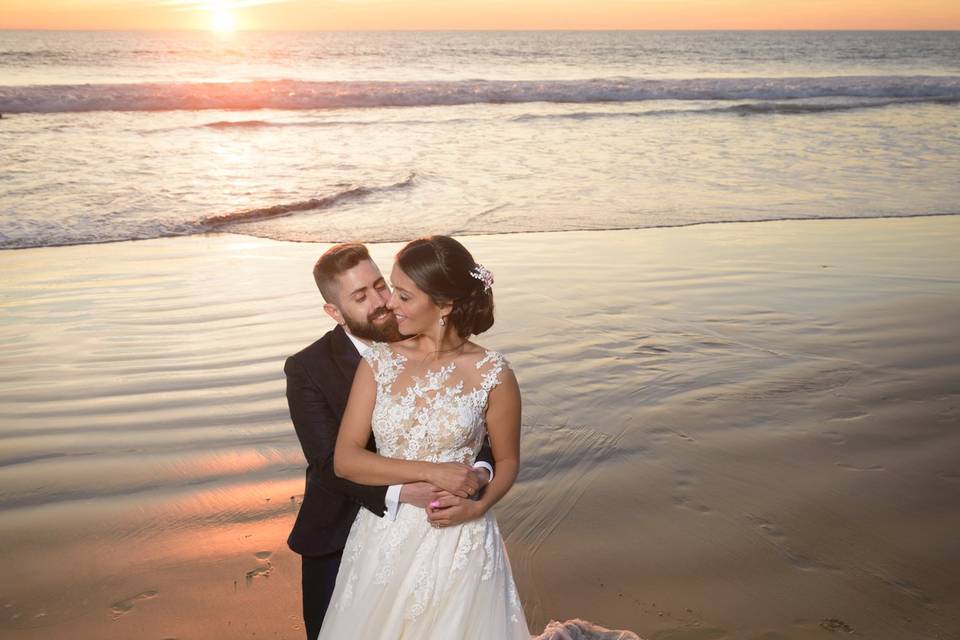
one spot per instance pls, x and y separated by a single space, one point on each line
317 426
421 494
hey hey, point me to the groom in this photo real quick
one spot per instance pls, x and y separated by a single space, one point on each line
318 384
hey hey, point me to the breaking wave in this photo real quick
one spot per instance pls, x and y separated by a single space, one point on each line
745 109
285 209
297 95
25 233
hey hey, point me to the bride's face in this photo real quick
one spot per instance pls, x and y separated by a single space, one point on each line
416 313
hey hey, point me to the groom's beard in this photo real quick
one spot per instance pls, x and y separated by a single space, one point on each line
380 326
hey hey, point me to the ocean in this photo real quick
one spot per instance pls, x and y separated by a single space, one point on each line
110 136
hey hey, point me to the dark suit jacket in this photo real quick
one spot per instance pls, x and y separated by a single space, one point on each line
318 385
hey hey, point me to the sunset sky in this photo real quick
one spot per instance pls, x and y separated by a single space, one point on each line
480 14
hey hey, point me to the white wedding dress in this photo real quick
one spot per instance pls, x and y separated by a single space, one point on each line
404 578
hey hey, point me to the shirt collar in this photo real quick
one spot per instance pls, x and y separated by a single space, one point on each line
362 347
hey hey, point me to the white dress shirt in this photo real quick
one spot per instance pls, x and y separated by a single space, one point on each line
392 499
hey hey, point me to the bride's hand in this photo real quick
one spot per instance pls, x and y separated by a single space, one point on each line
458 479
448 510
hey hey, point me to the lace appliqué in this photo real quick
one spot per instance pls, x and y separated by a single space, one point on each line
354 547
435 420
495 560
492 377
472 537
392 535
385 367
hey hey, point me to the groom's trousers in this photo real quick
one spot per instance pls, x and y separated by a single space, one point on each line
319 575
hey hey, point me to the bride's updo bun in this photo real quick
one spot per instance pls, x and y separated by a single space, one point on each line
443 269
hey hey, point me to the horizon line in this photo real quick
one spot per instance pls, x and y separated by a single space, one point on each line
518 30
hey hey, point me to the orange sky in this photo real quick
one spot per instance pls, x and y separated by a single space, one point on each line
484 14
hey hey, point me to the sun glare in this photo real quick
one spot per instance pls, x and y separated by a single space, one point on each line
221 18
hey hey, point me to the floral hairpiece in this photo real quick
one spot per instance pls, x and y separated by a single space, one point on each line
483 274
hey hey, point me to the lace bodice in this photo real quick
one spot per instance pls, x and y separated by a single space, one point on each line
433 414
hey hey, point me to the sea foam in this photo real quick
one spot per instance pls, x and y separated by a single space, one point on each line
298 95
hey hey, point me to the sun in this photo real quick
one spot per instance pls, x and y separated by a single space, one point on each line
221 18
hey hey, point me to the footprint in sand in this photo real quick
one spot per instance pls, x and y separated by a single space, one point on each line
836 625
767 527
778 539
262 571
123 607
684 503
683 484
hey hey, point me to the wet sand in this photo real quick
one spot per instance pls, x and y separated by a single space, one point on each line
740 431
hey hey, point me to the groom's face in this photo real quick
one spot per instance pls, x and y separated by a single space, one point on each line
362 295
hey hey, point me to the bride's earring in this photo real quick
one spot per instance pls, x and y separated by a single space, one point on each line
443 321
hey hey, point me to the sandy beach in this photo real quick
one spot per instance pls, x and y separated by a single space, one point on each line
730 431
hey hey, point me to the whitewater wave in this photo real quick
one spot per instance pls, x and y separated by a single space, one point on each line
296 95
241 124
262 124
47 236
746 109
25 234
279 210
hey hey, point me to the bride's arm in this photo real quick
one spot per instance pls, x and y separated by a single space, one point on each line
503 428
353 461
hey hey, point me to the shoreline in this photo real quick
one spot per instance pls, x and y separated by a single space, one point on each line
905 216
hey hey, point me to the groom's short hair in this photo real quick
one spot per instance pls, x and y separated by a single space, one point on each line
336 260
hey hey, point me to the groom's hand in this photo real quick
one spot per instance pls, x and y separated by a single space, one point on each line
419 494
448 510
483 479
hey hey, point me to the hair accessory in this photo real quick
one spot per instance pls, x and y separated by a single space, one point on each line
482 274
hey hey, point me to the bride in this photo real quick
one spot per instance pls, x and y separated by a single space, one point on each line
430 400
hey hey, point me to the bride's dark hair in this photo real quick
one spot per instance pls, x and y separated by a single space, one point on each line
441 267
